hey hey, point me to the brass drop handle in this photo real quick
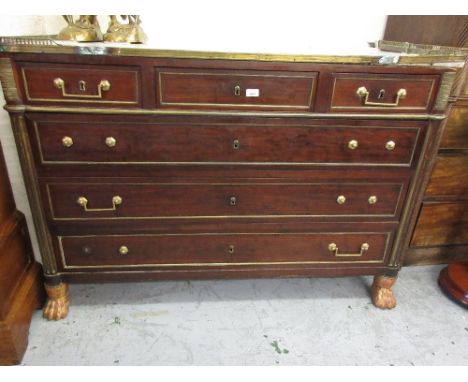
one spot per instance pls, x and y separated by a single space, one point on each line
67 141
332 247
341 199
237 90
110 141
363 93
353 144
83 202
103 86
123 250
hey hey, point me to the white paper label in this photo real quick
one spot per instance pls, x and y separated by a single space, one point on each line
252 92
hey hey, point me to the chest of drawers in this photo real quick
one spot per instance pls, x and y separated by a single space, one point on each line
149 165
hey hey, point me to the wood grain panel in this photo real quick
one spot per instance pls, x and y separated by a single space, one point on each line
449 177
456 130
442 224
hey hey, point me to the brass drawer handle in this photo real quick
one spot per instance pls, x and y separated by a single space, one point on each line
110 141
363 93
372 199
332 247
237 90
103 86
390 145
123 250
83 202
353 144
341 199
67 141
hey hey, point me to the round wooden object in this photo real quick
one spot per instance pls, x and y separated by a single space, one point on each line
454 281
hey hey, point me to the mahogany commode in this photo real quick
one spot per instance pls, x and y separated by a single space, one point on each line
143 164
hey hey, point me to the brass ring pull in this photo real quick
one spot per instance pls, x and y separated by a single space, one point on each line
83 202
103 86
332 247
123 250
67 141
363 93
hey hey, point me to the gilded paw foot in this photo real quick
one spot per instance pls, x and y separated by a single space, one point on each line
57 303
382 295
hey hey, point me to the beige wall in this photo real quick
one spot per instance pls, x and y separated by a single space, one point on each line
226 28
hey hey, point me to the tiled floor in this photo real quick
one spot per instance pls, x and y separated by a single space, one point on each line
255 322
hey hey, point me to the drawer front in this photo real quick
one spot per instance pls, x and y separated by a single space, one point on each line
81 84
449 177
215 89
442 224
223 144
198 250
383 92
197 200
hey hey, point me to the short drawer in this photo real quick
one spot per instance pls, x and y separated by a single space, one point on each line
235 89
73 142
62 83
81 200
230 249
353 92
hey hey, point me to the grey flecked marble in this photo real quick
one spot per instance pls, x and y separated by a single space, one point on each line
315 321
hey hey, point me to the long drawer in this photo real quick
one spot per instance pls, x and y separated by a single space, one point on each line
84 200
196 250
102 142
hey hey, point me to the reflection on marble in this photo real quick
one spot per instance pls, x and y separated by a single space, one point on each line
254 322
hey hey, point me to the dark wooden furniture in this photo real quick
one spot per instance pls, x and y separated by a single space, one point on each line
441 233
447 30
145 164
21 289
453 279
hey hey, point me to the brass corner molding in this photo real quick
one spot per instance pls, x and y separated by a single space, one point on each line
445 89
8 81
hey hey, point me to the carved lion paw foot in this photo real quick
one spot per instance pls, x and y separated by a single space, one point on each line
58 302
383 298
382 295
